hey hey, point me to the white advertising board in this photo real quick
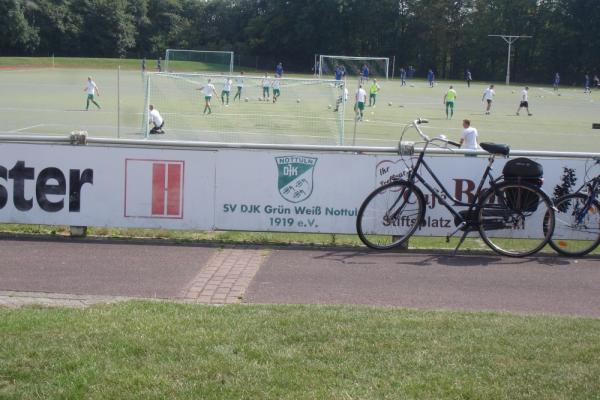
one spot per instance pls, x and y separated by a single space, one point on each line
225 189
106 186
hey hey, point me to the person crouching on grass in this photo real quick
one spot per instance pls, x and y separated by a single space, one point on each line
208 92
91 89
155 119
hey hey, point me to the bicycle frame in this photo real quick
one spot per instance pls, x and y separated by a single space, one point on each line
414 175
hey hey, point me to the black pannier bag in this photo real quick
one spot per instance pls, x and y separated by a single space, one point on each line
523 170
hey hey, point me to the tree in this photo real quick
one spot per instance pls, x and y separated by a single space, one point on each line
17 35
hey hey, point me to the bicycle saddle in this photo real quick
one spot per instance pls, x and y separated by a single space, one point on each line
493 148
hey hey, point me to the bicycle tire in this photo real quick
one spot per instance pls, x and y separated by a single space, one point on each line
376 228
582 245
502 216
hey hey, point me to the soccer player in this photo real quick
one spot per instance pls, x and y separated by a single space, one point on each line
208 90
91 89
402 77
587 85
266 84
488 97
157 120
430 78
276 84
373 90
596 81
468 77
556 81
342 98
239 83
364 73
279 70
158 64
338 73
524 101
361 98
143 65
226 91
449 99
469 136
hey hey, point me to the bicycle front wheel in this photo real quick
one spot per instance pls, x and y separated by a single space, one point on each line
516 219
390 215
577 230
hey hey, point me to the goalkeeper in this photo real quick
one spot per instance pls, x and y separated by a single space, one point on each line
373 90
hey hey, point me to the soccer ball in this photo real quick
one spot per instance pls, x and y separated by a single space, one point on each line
559 94
297 100
512 91
390 104
329 107
411 85
260 99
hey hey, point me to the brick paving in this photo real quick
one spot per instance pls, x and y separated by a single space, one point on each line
225 276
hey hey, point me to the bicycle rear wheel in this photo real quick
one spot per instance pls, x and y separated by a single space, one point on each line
577 230
390 215
516 219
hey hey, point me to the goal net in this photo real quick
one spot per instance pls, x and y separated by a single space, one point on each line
177 60
352 66
306 111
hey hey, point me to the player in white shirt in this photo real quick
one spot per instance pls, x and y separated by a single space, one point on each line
342 98
239 83
266 84
361 98
226 90
91 89
469 136
155 119
524 101
208 90
276 84
488 97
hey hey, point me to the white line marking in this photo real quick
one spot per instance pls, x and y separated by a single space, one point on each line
27 127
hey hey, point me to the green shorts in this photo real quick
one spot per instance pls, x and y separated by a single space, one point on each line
373 95
360 105
450 104
276 92
90 97
207 98
225 92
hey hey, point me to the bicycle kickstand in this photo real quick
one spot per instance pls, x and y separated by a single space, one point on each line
460 242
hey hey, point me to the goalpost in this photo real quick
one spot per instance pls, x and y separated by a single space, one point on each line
307 111
198 60
378 66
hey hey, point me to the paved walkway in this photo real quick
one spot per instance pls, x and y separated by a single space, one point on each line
83 273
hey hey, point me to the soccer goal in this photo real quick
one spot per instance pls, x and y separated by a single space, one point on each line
352 66
304 111
177 60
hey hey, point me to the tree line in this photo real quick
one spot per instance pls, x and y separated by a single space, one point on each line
447 36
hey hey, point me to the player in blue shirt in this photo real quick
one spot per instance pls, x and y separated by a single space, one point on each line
556 81
338 73
279 70
587 85
430 78
402 77
364 73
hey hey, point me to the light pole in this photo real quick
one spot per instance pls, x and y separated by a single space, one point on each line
510 39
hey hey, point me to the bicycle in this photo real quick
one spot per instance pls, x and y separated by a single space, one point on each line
577 230
513 218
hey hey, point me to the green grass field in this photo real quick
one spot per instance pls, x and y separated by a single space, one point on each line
52 101
162 350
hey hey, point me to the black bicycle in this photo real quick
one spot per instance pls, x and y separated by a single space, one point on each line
577 229
514 218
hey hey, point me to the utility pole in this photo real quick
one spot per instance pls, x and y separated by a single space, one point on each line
510 39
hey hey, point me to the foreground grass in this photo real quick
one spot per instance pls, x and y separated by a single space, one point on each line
163 350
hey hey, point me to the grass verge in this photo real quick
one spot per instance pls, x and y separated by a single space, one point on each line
164 350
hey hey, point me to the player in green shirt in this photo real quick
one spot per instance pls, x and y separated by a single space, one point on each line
375 88
449 99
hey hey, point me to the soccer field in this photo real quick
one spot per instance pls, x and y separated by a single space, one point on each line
52 101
